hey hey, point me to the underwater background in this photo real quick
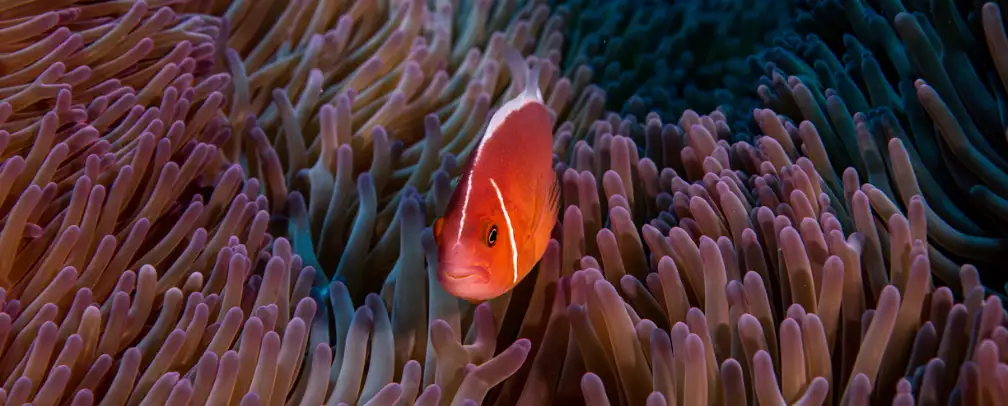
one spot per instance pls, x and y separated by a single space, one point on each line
213 202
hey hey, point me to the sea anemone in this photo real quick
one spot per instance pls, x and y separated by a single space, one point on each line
914 107
748 284
668 57
400 92
118 205
183 291
202 205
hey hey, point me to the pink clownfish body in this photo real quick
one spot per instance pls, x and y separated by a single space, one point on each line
498 222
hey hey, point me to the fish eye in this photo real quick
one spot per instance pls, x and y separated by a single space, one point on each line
491 237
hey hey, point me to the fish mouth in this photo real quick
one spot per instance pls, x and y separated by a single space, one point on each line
460 273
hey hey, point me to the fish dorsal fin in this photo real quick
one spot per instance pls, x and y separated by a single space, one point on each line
532 82
523 77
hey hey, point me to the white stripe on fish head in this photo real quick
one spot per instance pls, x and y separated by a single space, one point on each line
465 208
507 219
498 118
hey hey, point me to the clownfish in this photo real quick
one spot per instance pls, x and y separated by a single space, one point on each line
498 220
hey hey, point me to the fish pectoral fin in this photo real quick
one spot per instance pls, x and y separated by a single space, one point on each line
553 201
547 210
438 227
